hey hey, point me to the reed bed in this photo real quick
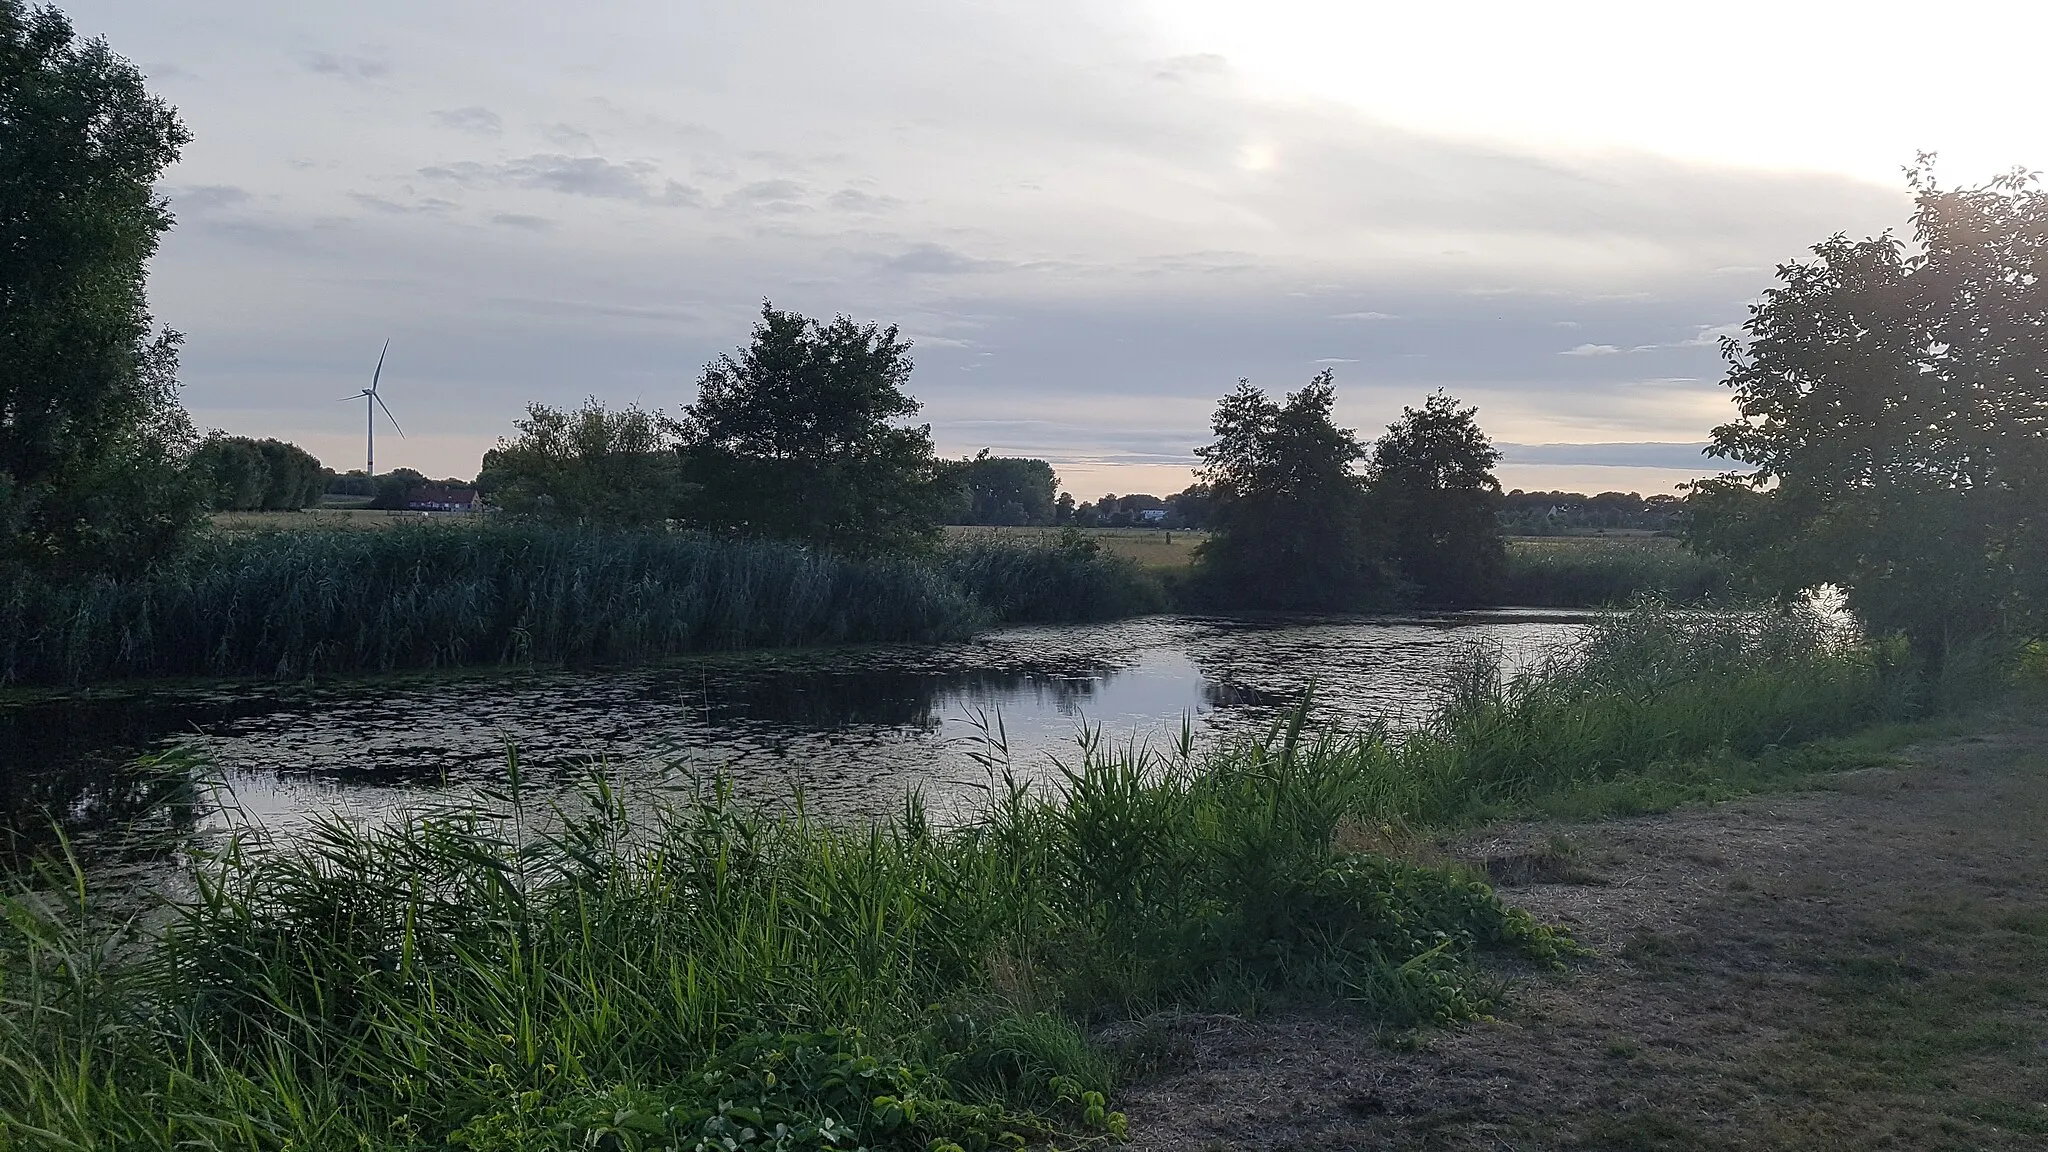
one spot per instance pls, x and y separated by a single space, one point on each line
1052 579
291 605
1575 572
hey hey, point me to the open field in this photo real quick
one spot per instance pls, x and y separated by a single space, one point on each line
321 519
1155 548
1861 965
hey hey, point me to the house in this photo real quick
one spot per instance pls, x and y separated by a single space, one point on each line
443 498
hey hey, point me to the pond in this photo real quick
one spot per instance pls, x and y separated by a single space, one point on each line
854 729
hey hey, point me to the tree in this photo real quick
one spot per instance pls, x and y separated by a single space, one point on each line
1287 505
795 437
1894 418
390 489
1005 490
243 474
1434 490
91 432
591 464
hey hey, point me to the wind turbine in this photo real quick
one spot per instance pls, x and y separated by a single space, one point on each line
372 402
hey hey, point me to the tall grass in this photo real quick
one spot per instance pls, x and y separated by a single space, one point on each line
710 976
297 604
1638 691
1063 578
1590 573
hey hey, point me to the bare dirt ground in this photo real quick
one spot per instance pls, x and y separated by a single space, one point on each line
1862 965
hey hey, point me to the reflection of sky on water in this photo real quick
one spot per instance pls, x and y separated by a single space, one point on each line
853 728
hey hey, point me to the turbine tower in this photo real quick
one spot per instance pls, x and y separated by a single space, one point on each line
372 402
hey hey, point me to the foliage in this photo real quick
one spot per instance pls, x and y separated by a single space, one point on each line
1575 513
388 490
1589 572
242 474
1434 489
1287 506
91 432
1003 490
590 465
793 438
1893 422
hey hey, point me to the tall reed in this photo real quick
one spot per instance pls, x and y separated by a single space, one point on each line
1577 572
296 604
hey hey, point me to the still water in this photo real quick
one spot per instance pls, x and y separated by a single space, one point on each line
853 728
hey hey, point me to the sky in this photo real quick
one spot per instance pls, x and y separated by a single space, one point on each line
1091 218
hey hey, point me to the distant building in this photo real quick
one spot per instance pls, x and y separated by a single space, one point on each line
443 498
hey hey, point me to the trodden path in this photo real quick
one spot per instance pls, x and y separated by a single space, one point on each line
1859 966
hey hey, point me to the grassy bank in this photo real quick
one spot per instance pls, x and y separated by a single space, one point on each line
506 979
1589 572
499 978
302 603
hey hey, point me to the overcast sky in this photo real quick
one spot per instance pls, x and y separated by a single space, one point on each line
1092 217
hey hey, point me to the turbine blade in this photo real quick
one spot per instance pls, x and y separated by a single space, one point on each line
379 373
387 413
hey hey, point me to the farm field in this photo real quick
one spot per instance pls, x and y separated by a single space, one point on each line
1155 548
322 519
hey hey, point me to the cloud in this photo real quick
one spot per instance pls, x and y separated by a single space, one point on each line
428 205
768 195
523 222
348 67
207 198
937 259
854 200
1365 316
475 120
1592 350
1337 360
569 136
638 181
1710 336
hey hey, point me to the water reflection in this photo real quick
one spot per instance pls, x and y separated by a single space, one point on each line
854 728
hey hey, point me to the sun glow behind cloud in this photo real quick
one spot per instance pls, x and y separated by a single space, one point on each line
1848 86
